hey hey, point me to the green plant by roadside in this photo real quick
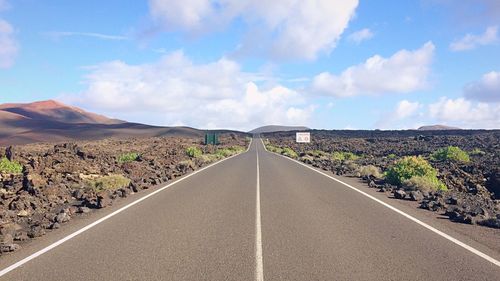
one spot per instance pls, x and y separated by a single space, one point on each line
10 167
370 170
350 165
408 167
274 149
308 159
111 182
185 164
451 153
391 156
128 157
209 158
193 152
221 153
477 152
342 156
423 183
287 151
229 151
316 153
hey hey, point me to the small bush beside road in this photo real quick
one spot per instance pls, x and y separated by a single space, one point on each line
451 153
128 157
370 171
343 156
193 152
10 167
424 184
111 182
414 167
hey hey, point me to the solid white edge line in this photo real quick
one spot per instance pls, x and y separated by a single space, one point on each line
80 231
259 266
439 232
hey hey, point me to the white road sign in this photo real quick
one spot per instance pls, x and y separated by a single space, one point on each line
303 137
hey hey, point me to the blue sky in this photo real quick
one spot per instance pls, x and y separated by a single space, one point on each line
331 64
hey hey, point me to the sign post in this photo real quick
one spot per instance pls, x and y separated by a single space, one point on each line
211 138
303 137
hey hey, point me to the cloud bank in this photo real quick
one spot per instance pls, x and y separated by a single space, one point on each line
479 107
403 72
174 90
8 45
361 35
56 35
485 90
471 41
284 29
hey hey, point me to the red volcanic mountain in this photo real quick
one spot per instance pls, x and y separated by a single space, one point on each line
55 111
52 121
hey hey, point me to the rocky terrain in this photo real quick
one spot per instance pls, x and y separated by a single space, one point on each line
43 186
472 193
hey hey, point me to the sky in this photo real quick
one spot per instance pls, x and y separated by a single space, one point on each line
240 64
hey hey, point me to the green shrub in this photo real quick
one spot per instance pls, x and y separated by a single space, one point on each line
308 159
208 158
274 149
229 151
351 165
186 164
451 153
287 151
370 170
342 156
408 167
316 153
128 157
111 182
193 152
391 156
424 184
10 167
477 152
221 153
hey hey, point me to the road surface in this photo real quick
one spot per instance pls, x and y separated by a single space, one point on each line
256 216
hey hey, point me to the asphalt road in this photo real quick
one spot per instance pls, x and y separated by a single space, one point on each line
214 226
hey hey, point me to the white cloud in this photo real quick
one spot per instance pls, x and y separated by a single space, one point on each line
360 35
56 35
466 114
8 45
406 109
485 90
403 72
282 28
175 90
187 14
470 41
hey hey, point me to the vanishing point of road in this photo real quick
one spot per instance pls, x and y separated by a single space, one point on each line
255 216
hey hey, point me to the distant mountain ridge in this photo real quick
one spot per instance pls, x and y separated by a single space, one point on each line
52 121
437 128
277 128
